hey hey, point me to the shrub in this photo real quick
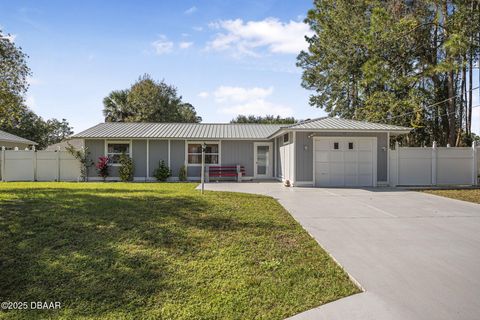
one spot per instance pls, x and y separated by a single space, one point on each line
102 167
182 173
126 168
82 155
162 172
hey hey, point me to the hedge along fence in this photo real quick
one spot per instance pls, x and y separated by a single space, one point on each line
434 166
32 165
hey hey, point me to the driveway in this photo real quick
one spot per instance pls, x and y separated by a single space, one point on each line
417 256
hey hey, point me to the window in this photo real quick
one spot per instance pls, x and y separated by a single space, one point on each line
115 150
350 146
194 155
286 138
336 146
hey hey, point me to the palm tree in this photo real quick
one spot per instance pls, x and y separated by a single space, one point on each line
115 106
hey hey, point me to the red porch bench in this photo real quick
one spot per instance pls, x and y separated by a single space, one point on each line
235 172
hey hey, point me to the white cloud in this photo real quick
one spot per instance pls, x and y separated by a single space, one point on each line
190 10
204 94
247 38
197 28
240 94
248 101
162 45
185 44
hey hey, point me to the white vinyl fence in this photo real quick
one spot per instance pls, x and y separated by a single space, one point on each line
31 165
434 166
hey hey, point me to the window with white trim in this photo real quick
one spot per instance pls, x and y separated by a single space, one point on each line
116 149
286 137
194 153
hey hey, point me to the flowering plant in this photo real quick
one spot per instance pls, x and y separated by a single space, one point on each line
102 167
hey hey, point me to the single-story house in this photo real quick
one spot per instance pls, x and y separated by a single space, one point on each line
318 152
11 141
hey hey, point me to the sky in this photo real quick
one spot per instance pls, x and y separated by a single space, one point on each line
225 57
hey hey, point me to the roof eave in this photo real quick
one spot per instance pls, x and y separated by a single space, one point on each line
395 131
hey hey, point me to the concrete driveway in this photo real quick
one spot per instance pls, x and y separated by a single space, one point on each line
417 256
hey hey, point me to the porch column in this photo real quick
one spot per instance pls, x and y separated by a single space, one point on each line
147 176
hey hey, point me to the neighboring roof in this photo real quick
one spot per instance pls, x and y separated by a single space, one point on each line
179 130
124 130
8 137
76 143
337 124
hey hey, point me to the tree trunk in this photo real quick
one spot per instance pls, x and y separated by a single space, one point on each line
450 83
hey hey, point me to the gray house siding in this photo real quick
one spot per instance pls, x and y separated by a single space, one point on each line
304 158
96 149
139 157
238 152
177 156
157 151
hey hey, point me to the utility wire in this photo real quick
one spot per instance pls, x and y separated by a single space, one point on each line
433 105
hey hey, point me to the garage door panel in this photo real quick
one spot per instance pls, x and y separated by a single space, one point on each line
336 156
365 168
365 156
364 145
351 181
350 165
322 145
365 180
321 156
350 156
351 168
337 168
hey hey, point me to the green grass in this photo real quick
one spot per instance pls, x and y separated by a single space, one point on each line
158 251
471 195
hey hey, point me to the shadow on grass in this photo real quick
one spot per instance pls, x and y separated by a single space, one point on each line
101 250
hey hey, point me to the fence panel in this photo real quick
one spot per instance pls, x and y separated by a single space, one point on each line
69 167
32 165
414 166
434 166
19 165
47 166
454 166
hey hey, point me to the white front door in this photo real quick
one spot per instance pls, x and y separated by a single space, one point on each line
263 160
345 161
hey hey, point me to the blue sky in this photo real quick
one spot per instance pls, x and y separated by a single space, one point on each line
225 57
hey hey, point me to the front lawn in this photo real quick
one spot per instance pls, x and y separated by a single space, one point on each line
472 195
158 251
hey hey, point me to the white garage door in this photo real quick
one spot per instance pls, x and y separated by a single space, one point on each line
345 161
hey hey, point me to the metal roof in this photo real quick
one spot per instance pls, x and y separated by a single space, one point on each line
179 130
8 137
122 130
337 124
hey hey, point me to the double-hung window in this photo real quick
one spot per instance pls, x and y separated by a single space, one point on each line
116 149
194 153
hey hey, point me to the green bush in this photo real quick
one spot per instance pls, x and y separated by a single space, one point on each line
126 168
162 172
182 173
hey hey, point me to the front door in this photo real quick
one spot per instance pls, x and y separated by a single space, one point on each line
263 157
